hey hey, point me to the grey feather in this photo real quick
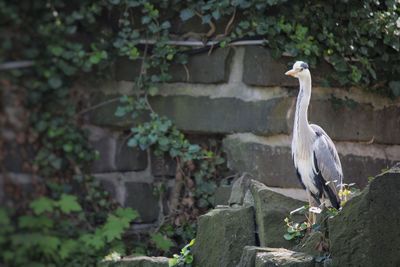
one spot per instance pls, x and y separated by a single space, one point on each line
327 158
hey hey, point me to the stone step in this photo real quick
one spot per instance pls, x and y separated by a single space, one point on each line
269 159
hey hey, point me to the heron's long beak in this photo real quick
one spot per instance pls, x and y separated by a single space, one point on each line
291 73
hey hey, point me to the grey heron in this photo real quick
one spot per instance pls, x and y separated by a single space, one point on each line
314 155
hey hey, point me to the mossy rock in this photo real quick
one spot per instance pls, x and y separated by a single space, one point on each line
222 234
366 232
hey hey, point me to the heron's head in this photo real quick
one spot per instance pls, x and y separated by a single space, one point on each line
299 70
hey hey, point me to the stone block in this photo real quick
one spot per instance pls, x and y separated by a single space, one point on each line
140 261
269 159
140 196
239 189
267 162
129 158
366 232
111 188
271 209
222 234
348 120
106 146
222 194
201 68
162 165
103 114
204 67
261 69
311 242
15 155
224 115
283 258
115 155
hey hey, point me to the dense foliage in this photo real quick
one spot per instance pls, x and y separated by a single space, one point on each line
65 41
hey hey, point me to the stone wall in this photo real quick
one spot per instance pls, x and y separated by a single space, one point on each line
241 96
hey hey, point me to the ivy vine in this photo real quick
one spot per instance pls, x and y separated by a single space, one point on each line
46 46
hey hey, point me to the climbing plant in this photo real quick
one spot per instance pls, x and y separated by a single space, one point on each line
49 45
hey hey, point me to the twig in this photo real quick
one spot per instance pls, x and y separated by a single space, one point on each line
148 104
80 113
228 26
187 72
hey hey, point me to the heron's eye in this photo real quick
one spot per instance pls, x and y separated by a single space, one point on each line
301 69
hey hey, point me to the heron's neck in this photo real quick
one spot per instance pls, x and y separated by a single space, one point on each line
301 126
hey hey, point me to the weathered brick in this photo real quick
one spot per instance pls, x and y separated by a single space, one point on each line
224 115
201 68
129 158
16 155
344 116
140 196
106 148
349 120
162 165
115 155
260 68
269 160
104 114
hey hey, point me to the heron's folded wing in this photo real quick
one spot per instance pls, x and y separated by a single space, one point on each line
327 159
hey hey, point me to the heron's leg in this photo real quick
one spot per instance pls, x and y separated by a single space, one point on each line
311 215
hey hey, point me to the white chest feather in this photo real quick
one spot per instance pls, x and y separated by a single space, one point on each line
303 158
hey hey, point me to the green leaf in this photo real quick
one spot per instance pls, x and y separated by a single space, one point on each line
186 14
194 149
189 259
42 205
162 242
30 222
290 230
132 142
67 247
120 111
95 241
56 50
55 82
288 236
114 228
153 90
68 147
49 244
68 204
166 25
127 213
216 14
172 261
4 218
